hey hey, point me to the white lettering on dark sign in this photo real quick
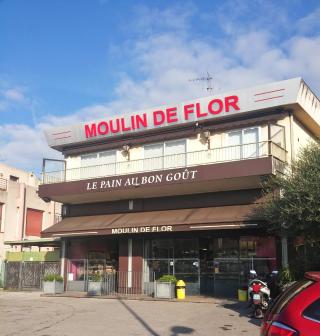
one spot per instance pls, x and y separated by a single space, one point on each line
143 229
157 178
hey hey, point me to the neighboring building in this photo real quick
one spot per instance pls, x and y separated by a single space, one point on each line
23 214
175 190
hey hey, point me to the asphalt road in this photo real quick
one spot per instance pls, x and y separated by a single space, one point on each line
23 313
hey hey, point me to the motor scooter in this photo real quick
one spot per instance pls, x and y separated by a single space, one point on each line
259 296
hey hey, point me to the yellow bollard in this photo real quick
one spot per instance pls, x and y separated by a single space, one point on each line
181 290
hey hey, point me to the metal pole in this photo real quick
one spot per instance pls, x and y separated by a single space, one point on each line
284 250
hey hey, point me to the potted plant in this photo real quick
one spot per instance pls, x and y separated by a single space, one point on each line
165 287
95 284
52 284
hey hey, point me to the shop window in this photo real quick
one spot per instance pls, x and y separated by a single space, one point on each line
162 248
260 247
258 253
34 222
226 247
186 248
173 256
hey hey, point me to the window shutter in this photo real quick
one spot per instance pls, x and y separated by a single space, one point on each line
34 222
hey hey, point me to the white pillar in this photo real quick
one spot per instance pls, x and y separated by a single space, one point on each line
129 262
63 256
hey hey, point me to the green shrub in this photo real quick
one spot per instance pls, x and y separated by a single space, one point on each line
95 277
53 277
285 277
168 278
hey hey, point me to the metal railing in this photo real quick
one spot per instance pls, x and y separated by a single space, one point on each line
187 159
99 277
24 275
3 184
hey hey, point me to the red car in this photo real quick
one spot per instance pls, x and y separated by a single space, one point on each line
295 312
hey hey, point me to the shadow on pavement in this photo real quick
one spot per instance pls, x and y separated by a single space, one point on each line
243 310
138 318
180 330
176 330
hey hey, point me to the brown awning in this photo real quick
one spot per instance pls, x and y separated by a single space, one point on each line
235 216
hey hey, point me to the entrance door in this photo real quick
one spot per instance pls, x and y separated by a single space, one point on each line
219 266
178 257
226 266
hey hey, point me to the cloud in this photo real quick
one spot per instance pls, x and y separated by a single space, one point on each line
15 95
24 147
151 20
13 98
309 23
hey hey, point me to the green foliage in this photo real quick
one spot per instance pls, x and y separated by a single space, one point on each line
53 277
285 276
95 277
168 278
292 201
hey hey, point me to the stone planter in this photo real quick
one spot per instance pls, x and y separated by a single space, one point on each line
94 288
52 287
164 290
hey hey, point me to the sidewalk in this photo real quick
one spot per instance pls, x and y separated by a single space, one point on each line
193 298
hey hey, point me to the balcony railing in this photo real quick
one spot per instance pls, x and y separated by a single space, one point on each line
188 159
3 184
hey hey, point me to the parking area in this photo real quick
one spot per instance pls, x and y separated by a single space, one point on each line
25 313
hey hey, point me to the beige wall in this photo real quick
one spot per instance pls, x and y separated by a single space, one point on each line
301 137
19 196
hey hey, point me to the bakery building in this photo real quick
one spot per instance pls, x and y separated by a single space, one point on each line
176 189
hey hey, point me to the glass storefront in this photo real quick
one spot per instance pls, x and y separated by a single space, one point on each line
179 257
209 265
99 258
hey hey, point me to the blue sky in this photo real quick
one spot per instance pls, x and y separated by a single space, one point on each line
64 61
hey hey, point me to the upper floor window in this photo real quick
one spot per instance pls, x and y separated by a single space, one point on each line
95 159
277 135
167 154
243 144
14 178
98 164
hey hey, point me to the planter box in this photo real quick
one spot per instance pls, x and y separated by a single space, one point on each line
52 287
94 288
164 290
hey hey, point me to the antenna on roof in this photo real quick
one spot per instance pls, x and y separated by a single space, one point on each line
208 79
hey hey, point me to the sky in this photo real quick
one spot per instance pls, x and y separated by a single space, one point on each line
66 61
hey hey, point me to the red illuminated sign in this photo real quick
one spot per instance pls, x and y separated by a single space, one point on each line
170 115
